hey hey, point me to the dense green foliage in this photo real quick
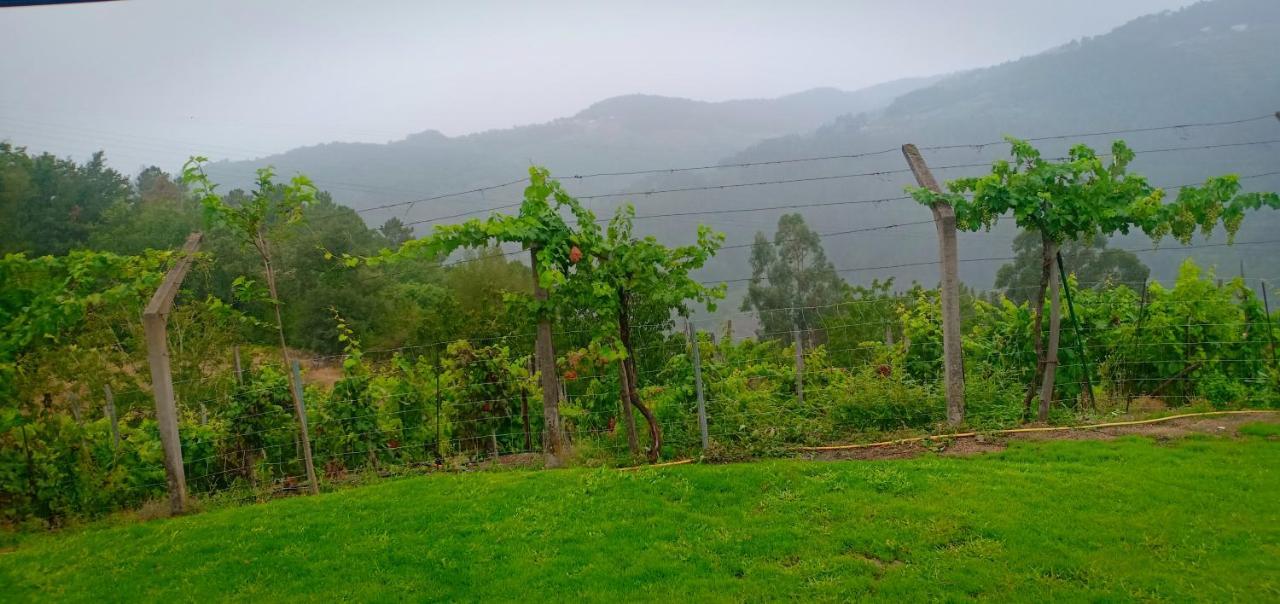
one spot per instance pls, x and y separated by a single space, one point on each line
436 365
1128 519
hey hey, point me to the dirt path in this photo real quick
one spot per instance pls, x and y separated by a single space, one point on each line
1227 425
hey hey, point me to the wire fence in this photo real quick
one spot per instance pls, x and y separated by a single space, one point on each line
764 381
868 367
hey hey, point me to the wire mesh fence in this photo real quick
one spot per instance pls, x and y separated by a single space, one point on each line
764 382
869 367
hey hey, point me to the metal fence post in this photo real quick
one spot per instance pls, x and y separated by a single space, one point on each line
697 384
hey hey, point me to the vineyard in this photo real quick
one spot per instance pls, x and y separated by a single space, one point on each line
610 350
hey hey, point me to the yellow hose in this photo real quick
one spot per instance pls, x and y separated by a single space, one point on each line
1025 430
659 465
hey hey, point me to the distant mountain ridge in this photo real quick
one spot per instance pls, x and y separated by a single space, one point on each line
614 134
1212 61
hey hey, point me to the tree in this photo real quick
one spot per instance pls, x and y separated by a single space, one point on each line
155 185
58 311
160 215
257 219
539 227
628 272
1089 258
798 276
395 231
1079 197
50 205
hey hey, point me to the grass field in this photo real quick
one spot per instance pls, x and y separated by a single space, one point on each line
1128 519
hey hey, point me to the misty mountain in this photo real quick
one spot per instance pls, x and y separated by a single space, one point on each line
1213 61
620 133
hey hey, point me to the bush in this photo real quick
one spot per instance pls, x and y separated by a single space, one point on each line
1221 391
869 400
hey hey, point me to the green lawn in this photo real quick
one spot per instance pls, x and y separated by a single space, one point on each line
1193 519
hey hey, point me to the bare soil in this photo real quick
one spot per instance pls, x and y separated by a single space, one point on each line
1225 425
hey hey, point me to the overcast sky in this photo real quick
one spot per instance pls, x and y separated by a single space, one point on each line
153 81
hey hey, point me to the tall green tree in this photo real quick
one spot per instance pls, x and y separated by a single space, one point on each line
50 205
1093 263
258 219
395 231
158 215
788 276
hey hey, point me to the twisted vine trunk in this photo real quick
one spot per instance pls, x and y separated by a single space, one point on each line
629 364
1055 328
1037 306
628 418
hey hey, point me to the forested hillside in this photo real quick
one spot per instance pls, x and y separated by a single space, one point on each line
1210 62
1207 63
620 133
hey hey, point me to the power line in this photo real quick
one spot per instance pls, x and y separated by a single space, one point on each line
646 193
1007 258
835 233
809 205
673 170
1246 120
898 149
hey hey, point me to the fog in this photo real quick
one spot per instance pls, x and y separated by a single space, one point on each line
154 81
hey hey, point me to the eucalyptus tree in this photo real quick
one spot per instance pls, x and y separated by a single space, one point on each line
789 274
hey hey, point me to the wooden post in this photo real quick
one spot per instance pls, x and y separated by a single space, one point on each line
552 437
305 434
944 217
235 356
524 413
1187 352
697 386
154 323
109 410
